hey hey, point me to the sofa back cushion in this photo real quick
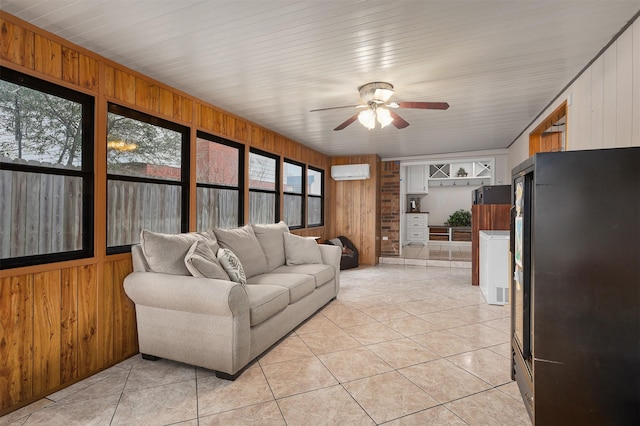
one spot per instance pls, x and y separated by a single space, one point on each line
272 242
165 253
301 250
244 243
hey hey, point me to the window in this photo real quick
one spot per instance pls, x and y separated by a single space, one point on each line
263 187
219 171
147 177
315 197
46 171
293 188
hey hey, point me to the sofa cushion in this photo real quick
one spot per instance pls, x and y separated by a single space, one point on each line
232 266
272 241
243 242
301 250
299 285
265 301
322 273
165 252
201 261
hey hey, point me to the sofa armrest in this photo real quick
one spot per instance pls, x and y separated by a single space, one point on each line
185 293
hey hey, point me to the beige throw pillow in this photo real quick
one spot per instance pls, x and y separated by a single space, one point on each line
272 242
232 266
201 261
244 244
165 252
301 250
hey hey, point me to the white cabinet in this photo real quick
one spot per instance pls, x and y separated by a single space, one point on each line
494 266
417 227
417 180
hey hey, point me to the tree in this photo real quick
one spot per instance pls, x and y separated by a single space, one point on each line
38 126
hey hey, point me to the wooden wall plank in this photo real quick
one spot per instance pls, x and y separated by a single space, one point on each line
88 359
105 316
16 339
70 65
17 45
69 325
166 102
125 333
109 81
125 87
48 56
147 95
88 77
46 331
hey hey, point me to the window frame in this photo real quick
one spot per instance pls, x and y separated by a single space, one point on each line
302 194
185 159
320 197
277 191
86 172
240 188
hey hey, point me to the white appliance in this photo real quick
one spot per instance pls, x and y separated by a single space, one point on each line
350 172
494 266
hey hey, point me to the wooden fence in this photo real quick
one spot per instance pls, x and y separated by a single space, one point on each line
39 213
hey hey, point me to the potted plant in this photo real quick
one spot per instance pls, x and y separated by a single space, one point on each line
462 172
459 218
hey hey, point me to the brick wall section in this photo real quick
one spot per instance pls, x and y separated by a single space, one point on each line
390 208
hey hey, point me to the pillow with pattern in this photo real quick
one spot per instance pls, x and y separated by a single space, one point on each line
232 266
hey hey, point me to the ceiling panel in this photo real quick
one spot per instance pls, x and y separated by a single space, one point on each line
497 63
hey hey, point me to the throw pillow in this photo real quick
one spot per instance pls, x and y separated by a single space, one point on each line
232 266
301 250
272 242
201 261
243 242
165 252
336 242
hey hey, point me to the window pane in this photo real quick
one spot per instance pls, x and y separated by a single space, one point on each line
314 182
217 163
39 128
262 207
293 210
136 148
133 206
217 208
41 213
314 215
292 178
262 172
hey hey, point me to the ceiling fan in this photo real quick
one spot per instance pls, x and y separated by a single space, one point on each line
376 108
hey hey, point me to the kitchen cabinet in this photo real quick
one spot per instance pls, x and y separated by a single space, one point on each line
417 227
417 180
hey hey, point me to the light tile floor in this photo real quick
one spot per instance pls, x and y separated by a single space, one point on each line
402 345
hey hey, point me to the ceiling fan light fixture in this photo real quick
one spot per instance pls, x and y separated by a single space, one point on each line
384 117
367 118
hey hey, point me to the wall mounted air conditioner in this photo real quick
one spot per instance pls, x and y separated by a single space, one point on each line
350 172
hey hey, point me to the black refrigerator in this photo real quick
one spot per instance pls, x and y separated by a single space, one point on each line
575 303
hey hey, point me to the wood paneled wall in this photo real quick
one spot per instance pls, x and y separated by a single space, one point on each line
62 322
357 208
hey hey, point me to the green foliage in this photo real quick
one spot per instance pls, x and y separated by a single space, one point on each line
459 218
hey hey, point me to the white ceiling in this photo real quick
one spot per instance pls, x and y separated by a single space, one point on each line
497 63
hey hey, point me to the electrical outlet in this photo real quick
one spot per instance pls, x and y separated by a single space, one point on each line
385 238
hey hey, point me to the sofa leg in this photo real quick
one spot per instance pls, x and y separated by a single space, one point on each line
150 357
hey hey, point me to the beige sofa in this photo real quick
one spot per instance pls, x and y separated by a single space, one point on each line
184 315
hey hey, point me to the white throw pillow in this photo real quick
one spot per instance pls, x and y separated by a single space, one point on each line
232 266
301 250
201 261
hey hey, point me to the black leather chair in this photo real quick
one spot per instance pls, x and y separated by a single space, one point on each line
350 255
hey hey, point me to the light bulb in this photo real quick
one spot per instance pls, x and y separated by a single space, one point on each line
367 118
384 117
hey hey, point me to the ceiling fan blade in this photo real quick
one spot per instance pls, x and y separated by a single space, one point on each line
338 107
423 105
398 121
350 120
